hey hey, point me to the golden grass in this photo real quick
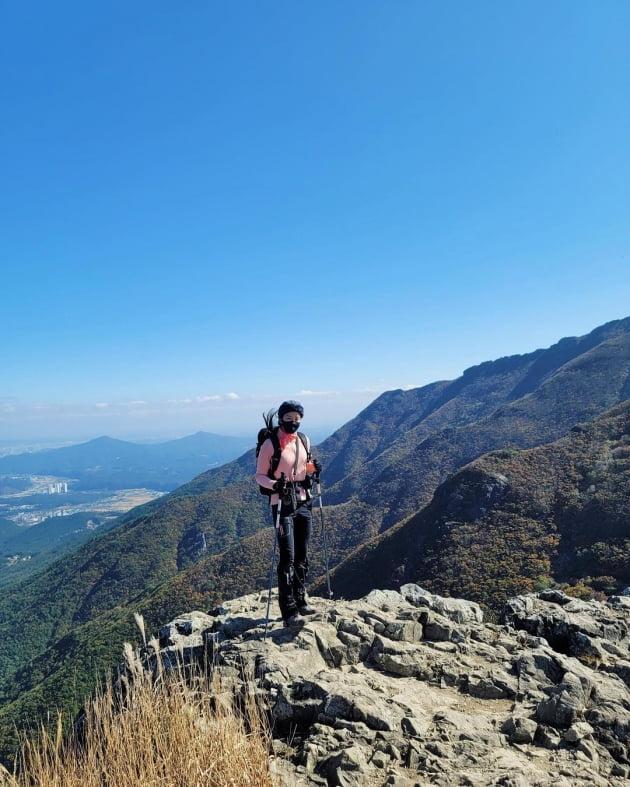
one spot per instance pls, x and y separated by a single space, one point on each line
169 732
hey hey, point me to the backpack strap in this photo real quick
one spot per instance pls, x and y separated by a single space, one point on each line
275 459
304 440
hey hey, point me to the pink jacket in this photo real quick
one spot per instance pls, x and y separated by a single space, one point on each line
286 465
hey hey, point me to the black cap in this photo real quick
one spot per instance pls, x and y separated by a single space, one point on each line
290 407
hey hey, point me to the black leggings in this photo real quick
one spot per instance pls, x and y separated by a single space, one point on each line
293 534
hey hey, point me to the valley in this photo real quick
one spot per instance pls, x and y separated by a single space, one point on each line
44 516
46 496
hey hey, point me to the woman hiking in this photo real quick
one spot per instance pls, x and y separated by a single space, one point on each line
285 467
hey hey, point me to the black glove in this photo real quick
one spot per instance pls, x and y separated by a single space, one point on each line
281 486
318 467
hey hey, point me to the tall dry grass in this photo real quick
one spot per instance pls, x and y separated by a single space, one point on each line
175 731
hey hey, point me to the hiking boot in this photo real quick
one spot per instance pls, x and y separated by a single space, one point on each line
306 609
293 621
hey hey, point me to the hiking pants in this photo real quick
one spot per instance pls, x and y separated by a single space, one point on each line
293 537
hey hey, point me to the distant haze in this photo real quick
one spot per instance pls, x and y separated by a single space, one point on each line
155 421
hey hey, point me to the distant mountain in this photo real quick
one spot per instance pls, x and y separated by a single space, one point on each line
106 463
209 539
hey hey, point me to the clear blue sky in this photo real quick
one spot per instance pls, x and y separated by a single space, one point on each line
207 207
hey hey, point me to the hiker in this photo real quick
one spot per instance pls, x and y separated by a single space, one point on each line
292 493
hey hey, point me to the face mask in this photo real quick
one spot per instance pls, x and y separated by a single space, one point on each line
290 427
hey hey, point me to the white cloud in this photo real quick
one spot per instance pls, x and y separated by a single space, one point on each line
200 399
177 416
319 393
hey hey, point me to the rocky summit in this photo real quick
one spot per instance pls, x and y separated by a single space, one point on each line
408 688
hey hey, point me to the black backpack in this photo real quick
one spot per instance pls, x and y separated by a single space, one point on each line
270 432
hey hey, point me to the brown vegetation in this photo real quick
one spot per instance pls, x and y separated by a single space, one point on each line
171 732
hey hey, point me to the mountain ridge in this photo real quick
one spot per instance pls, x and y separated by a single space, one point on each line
107 462
483 497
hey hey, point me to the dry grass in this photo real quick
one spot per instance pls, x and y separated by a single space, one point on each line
173 732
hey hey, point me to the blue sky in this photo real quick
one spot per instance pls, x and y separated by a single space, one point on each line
208 207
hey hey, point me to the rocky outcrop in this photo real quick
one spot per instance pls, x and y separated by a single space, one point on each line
412 689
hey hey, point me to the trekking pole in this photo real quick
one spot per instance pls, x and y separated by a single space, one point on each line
273 557
324 536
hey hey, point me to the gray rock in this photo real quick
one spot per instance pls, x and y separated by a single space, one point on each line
578 731
187 629
548 737
621 668
455 609
438 629
566 703
492 685
585 629
520 729
349 768
412 689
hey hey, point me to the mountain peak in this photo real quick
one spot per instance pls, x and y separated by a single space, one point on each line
105 440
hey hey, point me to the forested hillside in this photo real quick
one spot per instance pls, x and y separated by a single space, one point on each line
516 521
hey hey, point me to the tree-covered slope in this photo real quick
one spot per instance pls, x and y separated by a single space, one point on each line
516 402
513 521
8 530
151 544
27 550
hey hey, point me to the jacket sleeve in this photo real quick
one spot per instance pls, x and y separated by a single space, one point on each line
264 464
